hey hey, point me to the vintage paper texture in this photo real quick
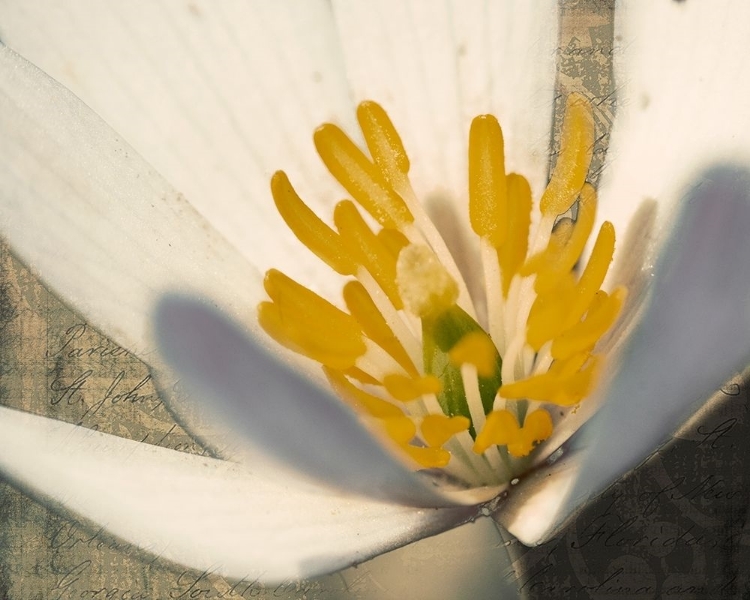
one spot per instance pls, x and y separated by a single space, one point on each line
676 527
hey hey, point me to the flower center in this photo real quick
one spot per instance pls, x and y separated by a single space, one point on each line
473 395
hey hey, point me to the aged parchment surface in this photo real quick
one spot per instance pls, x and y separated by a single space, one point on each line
674 528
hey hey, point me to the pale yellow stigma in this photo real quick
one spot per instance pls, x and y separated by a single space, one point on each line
471 395
426 288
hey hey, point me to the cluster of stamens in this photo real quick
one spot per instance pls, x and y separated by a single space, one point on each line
472 395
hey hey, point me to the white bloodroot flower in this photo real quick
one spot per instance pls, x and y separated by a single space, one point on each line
464 357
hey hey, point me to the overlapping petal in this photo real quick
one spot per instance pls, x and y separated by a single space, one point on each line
214 97
106 231
681 147
202 512
682 80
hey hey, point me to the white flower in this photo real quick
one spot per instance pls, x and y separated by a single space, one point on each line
229 98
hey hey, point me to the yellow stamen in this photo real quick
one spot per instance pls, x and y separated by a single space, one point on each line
546 317
361 242
559 258
502 428
513 252
400 429
430 458
576 148
475 348
393 240
594 273
360 177
383 141
322 241
360 375
562 308
545 260
406 389
438 429
426 287
405 297
361 400
301 320
602 313
363 309
487 184
566 382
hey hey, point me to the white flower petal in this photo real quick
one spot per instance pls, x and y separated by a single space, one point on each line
693 335
436 65
270 408
216 96
202 512
682 86
106 232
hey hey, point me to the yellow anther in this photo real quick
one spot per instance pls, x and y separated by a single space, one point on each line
475 348
565 383
303 321
502 429
548 313
400 429
322 241
383 141
579 385
512 253
594 273
429 458
438 429
602 313
406 389
361 400
564 369
370 252
562 308
566 247
373 324
538 387
488 203
497 429
425 286
360 375
339 350
545 260
305 306
360 177
568 315
393 240
576 148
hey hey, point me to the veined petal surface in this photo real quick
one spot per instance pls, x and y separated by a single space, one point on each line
682 83
201 512
693 335
216 96
434 66
90 216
